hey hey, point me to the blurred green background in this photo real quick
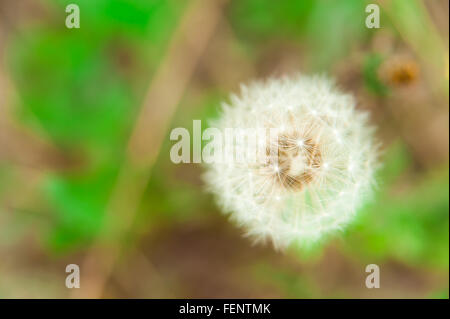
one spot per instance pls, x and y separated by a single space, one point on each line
71 98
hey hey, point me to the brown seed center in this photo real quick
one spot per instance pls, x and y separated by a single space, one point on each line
297 158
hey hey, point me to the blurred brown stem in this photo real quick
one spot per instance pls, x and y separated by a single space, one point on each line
165 91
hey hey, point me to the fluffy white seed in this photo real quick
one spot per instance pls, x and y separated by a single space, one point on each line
315 173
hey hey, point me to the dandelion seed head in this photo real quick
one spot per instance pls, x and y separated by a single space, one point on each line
312 176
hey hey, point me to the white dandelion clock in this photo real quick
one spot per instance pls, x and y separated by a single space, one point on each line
312 168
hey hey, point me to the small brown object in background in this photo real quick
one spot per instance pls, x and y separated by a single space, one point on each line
399 71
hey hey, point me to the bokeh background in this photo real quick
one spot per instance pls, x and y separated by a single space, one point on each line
85 172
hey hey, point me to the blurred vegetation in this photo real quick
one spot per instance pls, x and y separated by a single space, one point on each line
81 90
